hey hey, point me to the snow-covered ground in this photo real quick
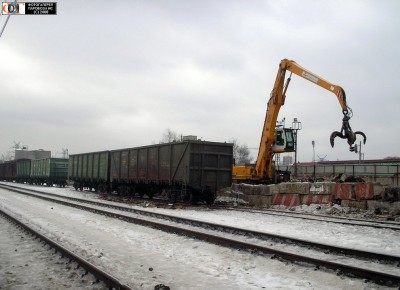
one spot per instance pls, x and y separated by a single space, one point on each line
28 264
143 257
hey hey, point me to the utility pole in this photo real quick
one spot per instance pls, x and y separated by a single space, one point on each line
313 146
296 126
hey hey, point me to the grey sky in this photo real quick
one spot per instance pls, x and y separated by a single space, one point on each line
114 74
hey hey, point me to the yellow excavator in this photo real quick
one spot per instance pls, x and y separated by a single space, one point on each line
279 139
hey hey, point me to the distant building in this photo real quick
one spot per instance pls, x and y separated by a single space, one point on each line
32 154
189 138
386 171
287 160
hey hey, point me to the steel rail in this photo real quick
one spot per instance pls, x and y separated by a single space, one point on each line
324 218
107 278
348 220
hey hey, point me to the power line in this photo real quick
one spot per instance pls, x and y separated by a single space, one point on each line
4 26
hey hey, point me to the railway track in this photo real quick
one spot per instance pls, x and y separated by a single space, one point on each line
109 281
381 268
380 224
326 218
392 225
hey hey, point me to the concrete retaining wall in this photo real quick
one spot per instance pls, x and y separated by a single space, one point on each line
304 193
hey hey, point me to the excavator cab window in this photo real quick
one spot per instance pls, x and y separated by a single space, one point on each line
284 140
289 139
280 138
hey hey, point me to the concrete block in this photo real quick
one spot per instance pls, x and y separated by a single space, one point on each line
322 188
301 187
257 189
235 186
275 188
379 188
247 189
250 189
357 190
258 200
286 199
308 199
294 188
284 188
267 189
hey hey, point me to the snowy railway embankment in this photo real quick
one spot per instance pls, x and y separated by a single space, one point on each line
183 262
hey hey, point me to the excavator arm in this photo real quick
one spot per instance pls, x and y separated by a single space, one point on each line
263 169
306 74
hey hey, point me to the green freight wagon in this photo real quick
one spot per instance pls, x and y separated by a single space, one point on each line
90 170
50 171
188 170
24 170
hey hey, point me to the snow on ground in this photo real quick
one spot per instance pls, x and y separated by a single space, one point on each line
348 236
27 264
144 257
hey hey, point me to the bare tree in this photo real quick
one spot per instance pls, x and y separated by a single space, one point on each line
6 157
241 153
169 136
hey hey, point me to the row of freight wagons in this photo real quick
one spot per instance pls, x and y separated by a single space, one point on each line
189 169
37 171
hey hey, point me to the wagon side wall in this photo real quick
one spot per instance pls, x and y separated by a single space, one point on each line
8 170
195 163
58 168
211 165
90 167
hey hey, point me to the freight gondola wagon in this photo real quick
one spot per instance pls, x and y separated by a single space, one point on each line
188 170
8 170
49 171
90 170
24 171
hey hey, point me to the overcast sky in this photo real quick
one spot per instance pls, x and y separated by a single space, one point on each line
114 74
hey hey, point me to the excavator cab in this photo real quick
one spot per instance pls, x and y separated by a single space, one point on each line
284 141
